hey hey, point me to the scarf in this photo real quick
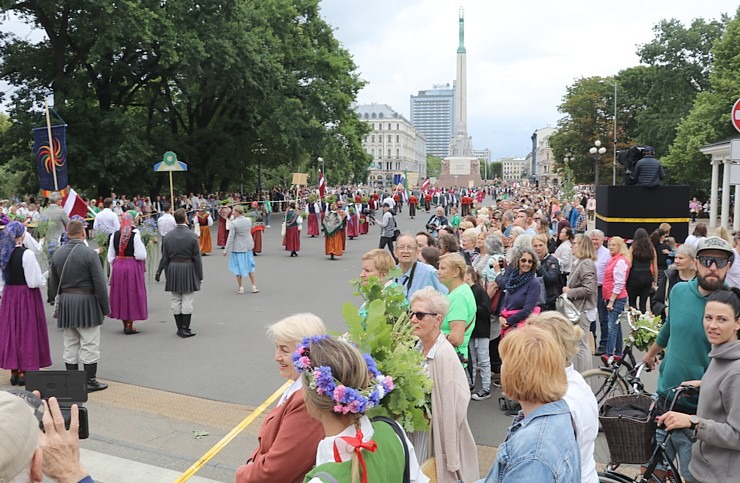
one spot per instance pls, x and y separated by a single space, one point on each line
517 279
12 230
127 228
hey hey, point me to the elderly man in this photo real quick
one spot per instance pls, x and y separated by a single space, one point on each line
416 274
602 259
23 447
181 261
83 302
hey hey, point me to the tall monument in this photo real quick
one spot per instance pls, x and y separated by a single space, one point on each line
460 167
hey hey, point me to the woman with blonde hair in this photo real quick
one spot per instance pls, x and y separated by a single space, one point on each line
582 290
340 386
682 270
288 437
468 241
578 396
458 325
377 263
614 291
541 444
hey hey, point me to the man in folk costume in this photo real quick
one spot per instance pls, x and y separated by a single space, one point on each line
223 234
332 226
205 222
127 256
258 225
413 202
83 302
183 267
314 208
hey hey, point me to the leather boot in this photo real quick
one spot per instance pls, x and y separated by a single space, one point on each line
72 367
178 321
186 325
93 384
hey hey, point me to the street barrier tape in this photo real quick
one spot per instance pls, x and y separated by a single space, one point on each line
642 220
232 434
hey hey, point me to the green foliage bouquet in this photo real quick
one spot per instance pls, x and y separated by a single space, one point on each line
382 328
647 327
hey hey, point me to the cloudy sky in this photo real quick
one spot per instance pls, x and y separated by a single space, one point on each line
520 55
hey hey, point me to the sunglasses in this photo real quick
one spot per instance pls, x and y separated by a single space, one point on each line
707 261
526 260
420 315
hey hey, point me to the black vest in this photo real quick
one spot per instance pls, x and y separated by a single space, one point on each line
129 251
15 267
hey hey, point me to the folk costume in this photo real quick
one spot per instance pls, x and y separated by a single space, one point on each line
258 226
313 218
24 340
353 223
83 304
292 238
181 261
127 256
364 225
203 218
332 226
223 216
343 229
413 202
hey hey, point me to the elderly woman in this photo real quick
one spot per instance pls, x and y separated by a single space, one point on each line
340 385
492 260
376 263
564 251
288 437
447 243
453 446
24 341
541 444
468 241
582 290
521 288
293 223
459 322
578 396
549 271
682 270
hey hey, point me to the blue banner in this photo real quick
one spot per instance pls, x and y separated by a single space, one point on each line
46 164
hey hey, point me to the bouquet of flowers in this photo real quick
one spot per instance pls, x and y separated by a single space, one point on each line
384 331
647 327
312 198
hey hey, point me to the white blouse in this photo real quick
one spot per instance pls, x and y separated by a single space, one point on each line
35 278
139 248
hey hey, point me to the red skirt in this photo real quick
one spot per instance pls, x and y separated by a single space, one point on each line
292 239
223 233
257 236
313 224
364 225
333 244
353 229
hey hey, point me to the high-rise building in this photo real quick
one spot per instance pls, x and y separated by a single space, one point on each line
395 145
433 115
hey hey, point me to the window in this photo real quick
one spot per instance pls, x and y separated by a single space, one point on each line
389 138
380 115
398 138
380 153
372 138
389 126
373 126
398 153
398 166
372 151
398 126
380 165
389 166
389 153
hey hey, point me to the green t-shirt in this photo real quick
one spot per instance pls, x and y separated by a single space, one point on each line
462 307
455 222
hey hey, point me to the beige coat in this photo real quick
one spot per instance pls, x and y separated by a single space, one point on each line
584 291
454 446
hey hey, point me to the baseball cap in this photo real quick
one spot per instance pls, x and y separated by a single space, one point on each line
19 435
714 243
648 149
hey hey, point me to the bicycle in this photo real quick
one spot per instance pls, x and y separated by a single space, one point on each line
658 455
619 376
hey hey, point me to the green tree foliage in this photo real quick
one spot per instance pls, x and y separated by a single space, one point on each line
496 170
434 166
220 83
709 120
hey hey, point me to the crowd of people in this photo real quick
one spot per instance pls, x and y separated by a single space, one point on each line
482 281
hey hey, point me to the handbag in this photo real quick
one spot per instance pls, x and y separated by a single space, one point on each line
283 229
55 313
566 307
542 300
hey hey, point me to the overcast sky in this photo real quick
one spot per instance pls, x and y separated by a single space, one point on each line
520 55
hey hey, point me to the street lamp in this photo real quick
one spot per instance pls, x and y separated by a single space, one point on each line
260 151
569 158
597 151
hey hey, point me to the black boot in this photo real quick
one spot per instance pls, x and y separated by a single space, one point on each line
186 326
178 321
93 384
72 367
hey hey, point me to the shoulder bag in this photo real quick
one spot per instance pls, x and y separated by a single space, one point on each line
55 313
566 307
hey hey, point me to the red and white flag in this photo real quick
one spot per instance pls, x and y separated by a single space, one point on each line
425 185
322 185
73 204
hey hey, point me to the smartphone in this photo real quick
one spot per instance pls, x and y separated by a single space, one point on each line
68 387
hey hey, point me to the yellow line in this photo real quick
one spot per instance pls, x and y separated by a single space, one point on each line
232 434
641 220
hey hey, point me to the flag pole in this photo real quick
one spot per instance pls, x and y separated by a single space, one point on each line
172 193
51 146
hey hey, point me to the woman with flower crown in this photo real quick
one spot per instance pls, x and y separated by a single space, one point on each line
288 436
340 386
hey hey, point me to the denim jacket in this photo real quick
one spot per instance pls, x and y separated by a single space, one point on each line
541 447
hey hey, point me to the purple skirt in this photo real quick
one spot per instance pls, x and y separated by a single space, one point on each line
24 340
128 290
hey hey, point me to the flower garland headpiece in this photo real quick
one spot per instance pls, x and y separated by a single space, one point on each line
347 399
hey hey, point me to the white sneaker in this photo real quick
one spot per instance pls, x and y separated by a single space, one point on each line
267 226
254 289
240 291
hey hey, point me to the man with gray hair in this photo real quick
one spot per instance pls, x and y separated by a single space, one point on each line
602 259
27 453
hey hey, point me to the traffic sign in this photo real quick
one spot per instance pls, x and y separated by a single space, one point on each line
736 115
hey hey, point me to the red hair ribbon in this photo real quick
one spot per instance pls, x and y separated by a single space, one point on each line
358 445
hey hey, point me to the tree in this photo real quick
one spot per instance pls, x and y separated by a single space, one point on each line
496 170
709 120
434 166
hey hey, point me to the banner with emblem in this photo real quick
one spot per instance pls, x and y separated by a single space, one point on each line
51 158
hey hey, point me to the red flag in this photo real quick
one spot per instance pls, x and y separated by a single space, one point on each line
322 185
73 204
425 185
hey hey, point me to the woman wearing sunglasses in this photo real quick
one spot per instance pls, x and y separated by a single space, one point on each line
521 288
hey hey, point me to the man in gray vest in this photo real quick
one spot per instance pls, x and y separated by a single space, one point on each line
183 268
77 275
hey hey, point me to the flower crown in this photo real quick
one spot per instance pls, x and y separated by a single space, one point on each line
347 399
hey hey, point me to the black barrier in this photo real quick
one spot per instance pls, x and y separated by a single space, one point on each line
620 210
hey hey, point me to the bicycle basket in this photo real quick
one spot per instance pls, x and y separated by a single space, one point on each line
629 428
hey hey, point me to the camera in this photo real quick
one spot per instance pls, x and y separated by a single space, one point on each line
68 387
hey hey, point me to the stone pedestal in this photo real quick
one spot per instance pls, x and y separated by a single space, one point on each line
459 171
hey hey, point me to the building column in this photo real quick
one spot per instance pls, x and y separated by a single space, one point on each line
714 195
736 215
725 216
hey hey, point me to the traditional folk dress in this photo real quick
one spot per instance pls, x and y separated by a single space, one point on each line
24 340
332 225
413 201
353 223
313 219
223 233
292 238
127 258
364 225
343 230
205 221
258 226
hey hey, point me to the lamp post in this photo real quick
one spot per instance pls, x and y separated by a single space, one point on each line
259 151
597 150
567 160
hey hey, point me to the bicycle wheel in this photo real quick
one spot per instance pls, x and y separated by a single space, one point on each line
611 477
605 384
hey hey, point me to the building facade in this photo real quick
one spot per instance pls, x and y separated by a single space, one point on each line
433 115
484 155
543 161
514 168
395 146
